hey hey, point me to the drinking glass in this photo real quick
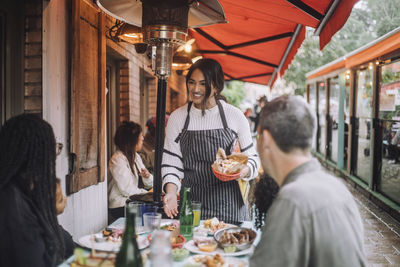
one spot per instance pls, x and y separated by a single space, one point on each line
161 252
152 221
137 206
196 207
148 208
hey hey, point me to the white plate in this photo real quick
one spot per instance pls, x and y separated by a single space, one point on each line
89 242
194 249
229 262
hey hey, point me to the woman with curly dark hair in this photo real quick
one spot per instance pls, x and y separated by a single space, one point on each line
128 175
29 229
265 191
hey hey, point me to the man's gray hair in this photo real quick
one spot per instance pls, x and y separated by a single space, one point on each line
290 121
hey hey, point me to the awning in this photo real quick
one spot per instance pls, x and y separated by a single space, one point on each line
262 37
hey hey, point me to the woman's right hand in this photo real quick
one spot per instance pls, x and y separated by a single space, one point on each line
170 205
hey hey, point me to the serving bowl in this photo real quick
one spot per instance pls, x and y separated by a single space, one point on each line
242 246
225 177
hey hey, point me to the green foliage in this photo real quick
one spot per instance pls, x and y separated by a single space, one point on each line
234 92
389 76
369 20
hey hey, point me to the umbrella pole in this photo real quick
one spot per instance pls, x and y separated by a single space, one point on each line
160 126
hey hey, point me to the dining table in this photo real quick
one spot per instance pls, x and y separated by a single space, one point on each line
120 224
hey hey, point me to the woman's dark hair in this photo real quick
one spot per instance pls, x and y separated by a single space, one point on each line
213 76
126 139
27 161
265 191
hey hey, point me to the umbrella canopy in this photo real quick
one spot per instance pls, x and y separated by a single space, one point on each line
262 37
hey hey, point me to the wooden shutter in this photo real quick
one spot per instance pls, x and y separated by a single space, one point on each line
87 96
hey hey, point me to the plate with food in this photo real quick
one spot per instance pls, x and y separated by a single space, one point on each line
176 240
109 241
170 226
208 246
213 225
235 238
215 261
85 259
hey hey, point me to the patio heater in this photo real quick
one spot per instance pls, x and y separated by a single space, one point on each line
161 26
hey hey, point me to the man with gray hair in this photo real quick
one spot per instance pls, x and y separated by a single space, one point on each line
314 220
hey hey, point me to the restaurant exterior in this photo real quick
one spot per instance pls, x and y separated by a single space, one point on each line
357 103
59 61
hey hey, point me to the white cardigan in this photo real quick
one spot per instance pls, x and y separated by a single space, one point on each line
124 182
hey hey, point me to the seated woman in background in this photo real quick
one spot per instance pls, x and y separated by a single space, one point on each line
127 173
30 235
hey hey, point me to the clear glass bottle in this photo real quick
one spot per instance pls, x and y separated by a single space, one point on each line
186 215
129 253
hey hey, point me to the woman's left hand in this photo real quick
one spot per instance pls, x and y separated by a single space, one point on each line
145 173
245 172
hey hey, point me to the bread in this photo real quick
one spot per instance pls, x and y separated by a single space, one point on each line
231 164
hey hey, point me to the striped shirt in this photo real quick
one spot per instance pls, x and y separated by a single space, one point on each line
172 165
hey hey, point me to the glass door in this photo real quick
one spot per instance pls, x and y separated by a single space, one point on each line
362 141
321 111
389 118
312 100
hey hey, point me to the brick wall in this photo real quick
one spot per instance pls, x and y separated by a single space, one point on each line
152 87
124 90
33 58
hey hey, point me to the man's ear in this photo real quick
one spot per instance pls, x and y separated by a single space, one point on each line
267 138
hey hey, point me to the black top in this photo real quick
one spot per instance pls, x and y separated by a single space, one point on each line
69 244
21 236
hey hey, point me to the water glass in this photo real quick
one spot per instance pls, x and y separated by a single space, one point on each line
137 206
196 207
161 251
148 208
152 221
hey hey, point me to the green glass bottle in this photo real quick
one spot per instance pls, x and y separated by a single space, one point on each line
186 215
129 254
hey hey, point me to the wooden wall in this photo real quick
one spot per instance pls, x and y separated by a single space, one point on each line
33 57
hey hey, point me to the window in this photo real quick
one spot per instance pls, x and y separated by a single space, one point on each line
334 92
389 116
312 100
321 118
363 124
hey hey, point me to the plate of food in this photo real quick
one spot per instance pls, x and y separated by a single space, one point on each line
235 238
208 246
170 226
85 259
212 225
109 241
214 261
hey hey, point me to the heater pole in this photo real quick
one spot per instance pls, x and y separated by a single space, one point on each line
160 126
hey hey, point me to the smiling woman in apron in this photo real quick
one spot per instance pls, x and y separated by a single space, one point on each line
194 133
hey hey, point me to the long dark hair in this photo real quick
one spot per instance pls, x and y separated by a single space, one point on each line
126 139
265 191
27 161
213 76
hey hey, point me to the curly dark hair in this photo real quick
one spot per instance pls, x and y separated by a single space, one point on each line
29 164
264 193
126 138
